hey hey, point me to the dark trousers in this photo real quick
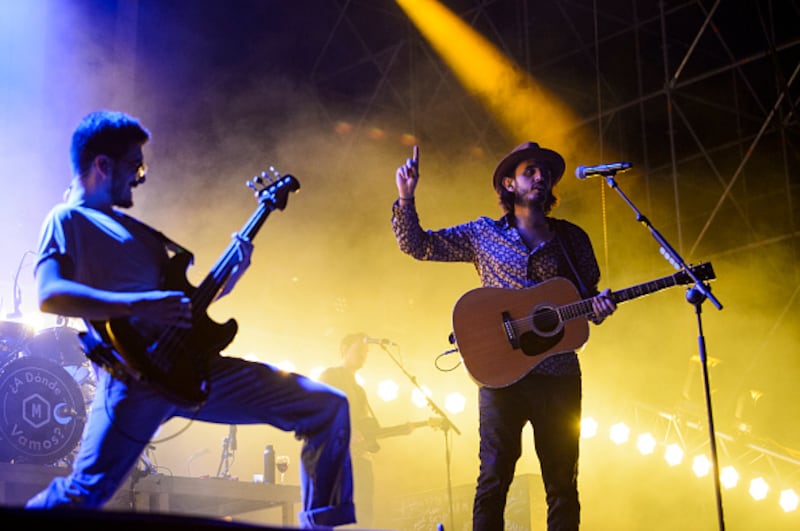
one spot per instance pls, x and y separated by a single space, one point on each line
125 416
552 404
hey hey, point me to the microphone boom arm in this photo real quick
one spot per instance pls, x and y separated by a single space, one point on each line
668 251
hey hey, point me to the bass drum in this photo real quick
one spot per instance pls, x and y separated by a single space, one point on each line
43 409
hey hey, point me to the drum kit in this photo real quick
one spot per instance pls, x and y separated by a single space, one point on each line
46 385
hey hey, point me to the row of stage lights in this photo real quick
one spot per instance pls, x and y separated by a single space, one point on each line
674 455
619 434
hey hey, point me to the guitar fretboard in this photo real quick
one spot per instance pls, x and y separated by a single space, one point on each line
583 308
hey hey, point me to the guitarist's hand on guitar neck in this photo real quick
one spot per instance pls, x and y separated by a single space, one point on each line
243 250
602 306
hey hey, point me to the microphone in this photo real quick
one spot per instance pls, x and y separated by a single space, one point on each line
584 172
383 341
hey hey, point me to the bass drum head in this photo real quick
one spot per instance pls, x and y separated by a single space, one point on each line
42 410
60 344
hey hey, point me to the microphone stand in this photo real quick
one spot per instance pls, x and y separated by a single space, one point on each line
447 424
17 295
695 295
228 451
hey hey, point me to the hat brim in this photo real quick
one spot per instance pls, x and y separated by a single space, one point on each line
545 156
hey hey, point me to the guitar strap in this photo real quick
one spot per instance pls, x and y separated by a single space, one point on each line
562 240
169 244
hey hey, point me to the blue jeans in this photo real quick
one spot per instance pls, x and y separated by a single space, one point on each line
552 404
124 417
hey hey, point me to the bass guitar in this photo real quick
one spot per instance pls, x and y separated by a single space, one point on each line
502 334
175 360
371 433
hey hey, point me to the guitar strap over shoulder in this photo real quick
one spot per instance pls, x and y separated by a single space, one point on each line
169 244
564 242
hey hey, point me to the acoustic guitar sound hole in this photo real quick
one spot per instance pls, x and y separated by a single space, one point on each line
545 321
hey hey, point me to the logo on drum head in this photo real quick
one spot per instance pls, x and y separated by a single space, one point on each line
42 411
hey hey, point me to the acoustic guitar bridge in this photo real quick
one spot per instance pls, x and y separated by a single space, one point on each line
511 335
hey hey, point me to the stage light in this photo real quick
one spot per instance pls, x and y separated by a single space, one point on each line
758 488
376 133
788 500
673 455
287 366
342 127
588 427
503 87
455 402
408 139
729 477
315 373
388 390
619 433
646 443
701 466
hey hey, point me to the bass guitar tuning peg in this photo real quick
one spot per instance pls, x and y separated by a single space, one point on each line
259 182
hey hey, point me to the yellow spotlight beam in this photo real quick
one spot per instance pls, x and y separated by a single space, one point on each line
522 107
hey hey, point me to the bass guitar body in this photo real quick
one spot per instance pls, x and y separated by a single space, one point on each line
172 360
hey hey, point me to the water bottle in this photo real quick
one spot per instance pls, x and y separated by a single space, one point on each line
269 464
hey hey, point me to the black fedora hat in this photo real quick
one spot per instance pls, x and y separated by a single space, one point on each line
525 151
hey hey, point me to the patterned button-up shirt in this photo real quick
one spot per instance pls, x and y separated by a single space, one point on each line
503 260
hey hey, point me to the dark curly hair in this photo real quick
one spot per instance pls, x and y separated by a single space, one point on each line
109 133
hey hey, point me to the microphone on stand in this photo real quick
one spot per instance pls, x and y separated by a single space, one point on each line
584 172
383 341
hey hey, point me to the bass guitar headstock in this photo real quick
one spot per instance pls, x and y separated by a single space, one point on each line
272 188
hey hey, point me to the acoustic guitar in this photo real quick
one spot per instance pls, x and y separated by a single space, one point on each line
502 334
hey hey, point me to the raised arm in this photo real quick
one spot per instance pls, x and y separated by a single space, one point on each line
407 178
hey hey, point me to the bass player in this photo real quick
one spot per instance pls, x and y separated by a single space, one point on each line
104 266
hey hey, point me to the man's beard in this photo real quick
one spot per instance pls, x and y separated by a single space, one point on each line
118 188
539 199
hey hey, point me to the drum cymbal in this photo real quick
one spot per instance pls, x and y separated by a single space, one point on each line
13 335
60 344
